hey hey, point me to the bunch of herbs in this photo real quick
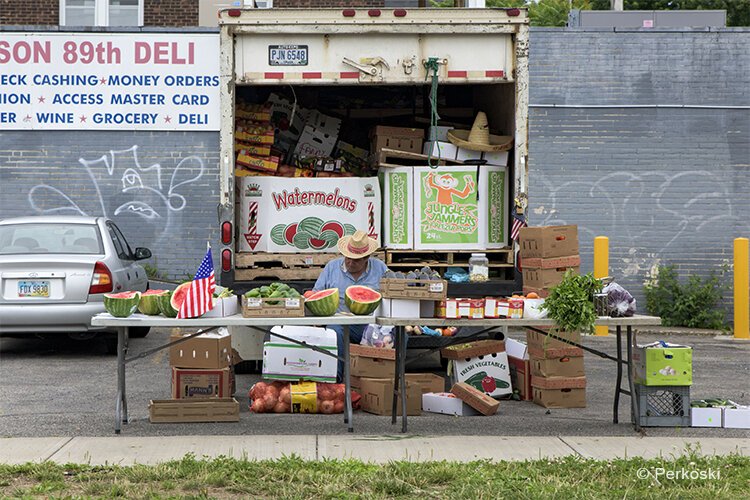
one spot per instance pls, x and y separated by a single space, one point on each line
571 303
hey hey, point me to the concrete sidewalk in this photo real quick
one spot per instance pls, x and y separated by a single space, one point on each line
125 450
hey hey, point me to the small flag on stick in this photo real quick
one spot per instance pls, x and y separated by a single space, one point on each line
199 298
519 221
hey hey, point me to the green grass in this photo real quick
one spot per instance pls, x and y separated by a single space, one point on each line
292 477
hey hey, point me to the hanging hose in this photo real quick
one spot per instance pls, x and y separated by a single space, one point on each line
432 65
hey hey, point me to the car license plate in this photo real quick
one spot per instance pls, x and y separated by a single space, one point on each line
33 288
287 55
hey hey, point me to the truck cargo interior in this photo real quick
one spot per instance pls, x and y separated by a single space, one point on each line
361 107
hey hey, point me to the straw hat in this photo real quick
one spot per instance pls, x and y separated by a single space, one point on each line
357 246
479 137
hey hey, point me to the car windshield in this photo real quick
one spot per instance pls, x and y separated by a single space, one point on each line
50 238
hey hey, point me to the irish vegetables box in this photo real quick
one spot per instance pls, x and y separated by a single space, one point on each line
290 215
450 207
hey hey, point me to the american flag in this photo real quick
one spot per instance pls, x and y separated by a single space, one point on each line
199 298
519 221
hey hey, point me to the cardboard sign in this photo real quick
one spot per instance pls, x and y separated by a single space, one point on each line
290 215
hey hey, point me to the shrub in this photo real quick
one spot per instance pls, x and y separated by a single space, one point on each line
694 303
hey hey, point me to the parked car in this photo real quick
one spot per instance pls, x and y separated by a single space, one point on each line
55 270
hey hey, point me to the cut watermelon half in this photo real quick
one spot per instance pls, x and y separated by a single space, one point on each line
324 302
362 300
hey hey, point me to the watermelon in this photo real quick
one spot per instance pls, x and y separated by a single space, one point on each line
169 304
149 303
121 305
324 302
361 300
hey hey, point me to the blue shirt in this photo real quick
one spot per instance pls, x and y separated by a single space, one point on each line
335 275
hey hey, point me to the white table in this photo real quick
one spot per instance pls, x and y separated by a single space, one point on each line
124 324
401 344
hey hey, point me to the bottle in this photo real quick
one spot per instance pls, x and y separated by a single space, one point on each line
479 268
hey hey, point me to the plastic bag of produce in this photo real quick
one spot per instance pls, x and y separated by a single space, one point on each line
620 301
299 397
378 336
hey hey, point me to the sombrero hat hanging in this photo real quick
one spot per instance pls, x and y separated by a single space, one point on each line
479 137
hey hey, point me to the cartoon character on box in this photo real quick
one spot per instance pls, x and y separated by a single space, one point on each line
447 187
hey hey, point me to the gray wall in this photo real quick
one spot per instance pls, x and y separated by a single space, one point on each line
161 188
666 184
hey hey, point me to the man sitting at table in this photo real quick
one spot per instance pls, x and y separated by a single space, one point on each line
354 268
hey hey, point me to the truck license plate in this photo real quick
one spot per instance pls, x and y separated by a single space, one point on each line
287 55
33 288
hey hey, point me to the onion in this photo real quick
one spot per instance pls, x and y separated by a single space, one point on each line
338 407
279 408
269 402
258 406
285 395
326 407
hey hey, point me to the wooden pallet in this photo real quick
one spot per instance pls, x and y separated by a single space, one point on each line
287 260
391 158
412 259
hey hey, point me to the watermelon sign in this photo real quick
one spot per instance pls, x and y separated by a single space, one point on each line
277 213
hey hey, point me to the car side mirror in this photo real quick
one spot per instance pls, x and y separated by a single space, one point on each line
142 253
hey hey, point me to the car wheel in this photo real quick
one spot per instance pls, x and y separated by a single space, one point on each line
110 345
139 332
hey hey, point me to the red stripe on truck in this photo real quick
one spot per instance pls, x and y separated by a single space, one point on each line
312 75
274 76
494 73
457 74
349 74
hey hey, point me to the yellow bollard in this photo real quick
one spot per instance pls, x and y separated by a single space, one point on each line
741 289
601 268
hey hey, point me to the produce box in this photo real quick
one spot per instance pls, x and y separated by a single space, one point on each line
398 138
439 133
520 377
662 363
473 349
464 154
706 417
737 417
447 404
259 307
399 308
255 134
291 215
444 209
253 149
440 149
552 262
393 288
555 352
178 411
207 350
372 352
540 342
427 382
266 164
559 392
377 396
227 306
542 292
478 400
201 383
557 367
284 360
548 241
314 142
545 278
489 373
496 158
372 362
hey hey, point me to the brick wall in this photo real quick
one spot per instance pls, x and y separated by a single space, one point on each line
667 185
170 13
38 12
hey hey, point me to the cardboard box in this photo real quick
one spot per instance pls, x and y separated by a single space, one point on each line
201 383
520 377
555 352
440 149
178 411
542 292
551 263
394 288
372 352
253 149
377 396
448 404
427 382
473 349
735 418
399 308
540 342
706 417
272 209
398 201
254 134
496 158
558 382
548 241
398 138
478 400
489 373
464 154
558 367
284 360
662 363
439 133
207 350
559 398
545 278
265 164
372 362
259 307
314 142
227 306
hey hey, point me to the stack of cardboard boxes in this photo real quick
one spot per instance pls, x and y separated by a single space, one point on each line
558 379
202 381
372 375
547 253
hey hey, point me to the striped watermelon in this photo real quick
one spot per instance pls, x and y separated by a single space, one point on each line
121 305
149 303
169 304
324 302
362 300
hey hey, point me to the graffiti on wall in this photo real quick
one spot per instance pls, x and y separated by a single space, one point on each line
147 199
651 215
